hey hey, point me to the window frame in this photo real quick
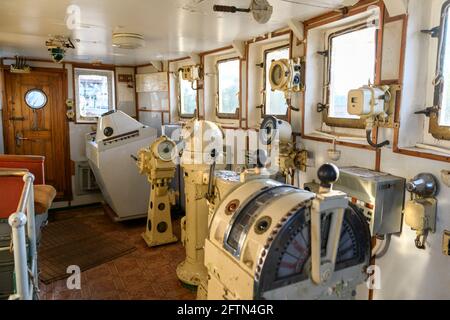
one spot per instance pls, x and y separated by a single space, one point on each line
344 122
180 109
236 115
437 131
111 75
266 52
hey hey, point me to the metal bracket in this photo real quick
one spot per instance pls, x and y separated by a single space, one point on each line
428 111
433 32
321 107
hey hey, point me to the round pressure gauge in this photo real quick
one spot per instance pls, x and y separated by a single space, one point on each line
165 150
279 74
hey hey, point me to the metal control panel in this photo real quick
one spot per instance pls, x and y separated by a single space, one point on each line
380 196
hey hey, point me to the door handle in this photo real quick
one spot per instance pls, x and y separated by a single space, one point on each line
20 138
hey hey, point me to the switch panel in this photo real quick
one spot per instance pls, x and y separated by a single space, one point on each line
379 195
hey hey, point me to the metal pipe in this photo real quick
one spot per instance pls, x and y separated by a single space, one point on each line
31 232
338 137
17 222
375 145
24 284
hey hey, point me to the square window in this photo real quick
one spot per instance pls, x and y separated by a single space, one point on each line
351 65
187 97
228 87
275 101
94 92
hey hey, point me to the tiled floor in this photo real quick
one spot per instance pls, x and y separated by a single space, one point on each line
147 273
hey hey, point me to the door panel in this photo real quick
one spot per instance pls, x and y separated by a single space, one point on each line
41 131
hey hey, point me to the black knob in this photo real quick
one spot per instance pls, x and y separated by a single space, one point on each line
328 174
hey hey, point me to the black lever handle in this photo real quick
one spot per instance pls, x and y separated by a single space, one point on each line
230 9
428 111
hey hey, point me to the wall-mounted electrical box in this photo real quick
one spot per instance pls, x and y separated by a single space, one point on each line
192 73
446 243
421 210
380 196
366 101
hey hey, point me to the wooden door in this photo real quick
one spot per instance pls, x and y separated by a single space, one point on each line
42 130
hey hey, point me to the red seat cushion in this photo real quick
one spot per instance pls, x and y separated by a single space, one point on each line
11 187
10 191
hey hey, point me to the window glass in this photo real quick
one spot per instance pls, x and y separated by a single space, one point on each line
444 117
94 93
188 97
228 75
275 100
352 65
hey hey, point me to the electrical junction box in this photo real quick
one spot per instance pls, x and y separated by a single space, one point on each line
365 101
446 243
420 214
192 73
380 196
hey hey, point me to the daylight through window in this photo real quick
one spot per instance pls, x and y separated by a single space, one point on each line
188 97
275 100
228 86
94 93
352 65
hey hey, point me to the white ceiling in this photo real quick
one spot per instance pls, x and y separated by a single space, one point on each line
172 28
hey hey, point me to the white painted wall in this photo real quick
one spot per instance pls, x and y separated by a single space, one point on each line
153 101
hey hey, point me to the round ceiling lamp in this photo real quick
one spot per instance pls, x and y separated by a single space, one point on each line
128 40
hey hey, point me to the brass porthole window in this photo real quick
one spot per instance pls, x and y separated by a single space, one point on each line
36 99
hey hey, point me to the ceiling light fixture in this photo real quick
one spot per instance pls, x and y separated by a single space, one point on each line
126 40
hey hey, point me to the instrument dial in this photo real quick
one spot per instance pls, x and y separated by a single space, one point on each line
165 150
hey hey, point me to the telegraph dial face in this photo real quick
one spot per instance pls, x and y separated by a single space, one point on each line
165 150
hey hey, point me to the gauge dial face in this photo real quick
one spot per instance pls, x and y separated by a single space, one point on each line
165 150
289 258
277 75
